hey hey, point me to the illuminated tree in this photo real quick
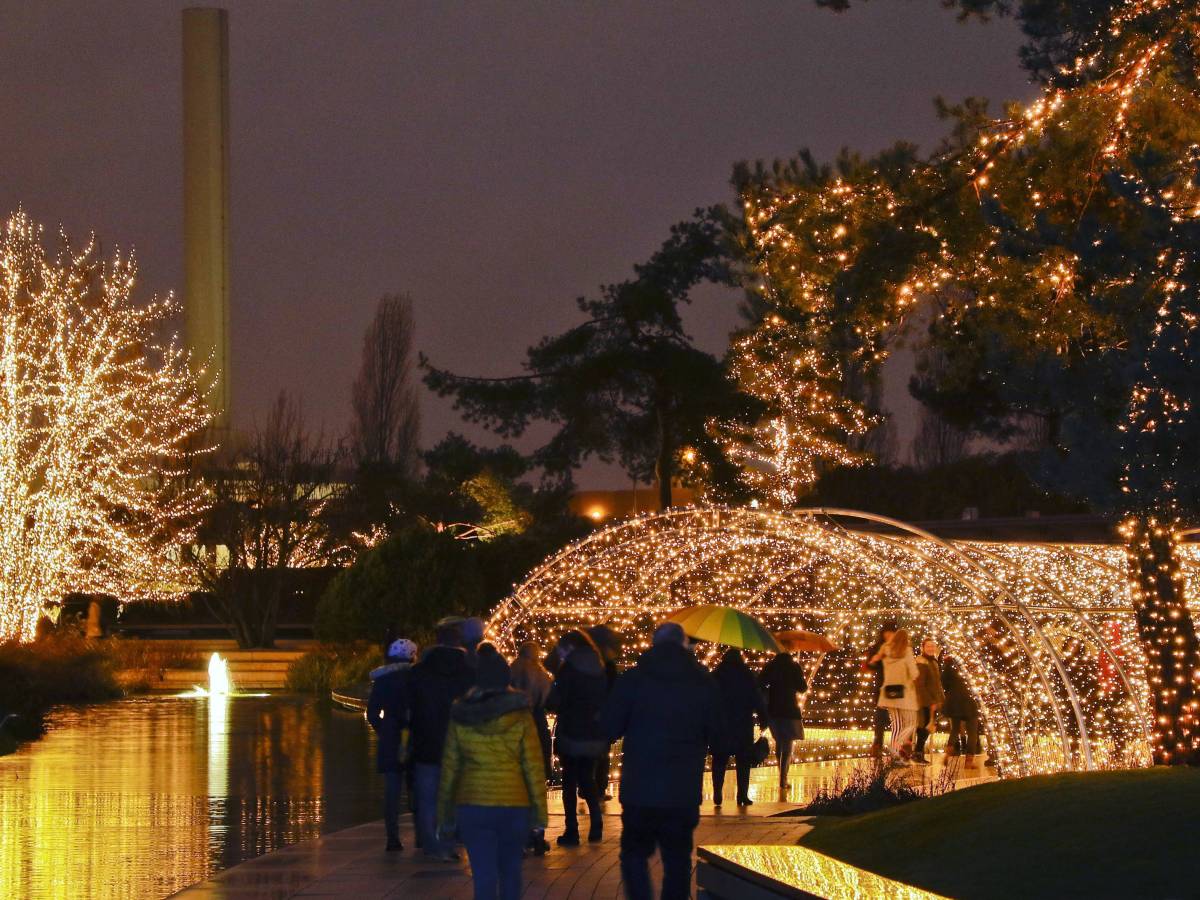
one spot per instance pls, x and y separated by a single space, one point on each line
808 423
1059 245
96 420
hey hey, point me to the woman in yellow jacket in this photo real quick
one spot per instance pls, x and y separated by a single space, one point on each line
493 786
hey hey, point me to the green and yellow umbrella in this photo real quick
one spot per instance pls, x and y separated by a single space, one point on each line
724 625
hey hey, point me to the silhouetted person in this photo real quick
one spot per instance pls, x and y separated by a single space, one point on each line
387 713
439 679
667 708
576 698
741 702
782 680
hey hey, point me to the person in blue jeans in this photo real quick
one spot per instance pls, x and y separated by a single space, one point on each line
493 787
387 713
440 678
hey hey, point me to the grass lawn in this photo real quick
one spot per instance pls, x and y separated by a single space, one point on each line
1130 834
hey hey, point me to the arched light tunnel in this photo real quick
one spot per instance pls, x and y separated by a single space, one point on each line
1043 633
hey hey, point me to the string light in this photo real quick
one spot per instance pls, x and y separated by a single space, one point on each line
1045 634
96 416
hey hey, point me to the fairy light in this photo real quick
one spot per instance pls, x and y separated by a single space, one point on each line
1046 635
96 416
810 422
1119 121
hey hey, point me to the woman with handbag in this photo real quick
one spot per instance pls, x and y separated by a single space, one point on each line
898 694
740 703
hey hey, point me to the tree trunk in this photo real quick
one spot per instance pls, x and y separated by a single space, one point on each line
664 468
1168 637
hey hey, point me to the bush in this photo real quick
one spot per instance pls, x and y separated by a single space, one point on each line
867 789
332 666
60 667
406 583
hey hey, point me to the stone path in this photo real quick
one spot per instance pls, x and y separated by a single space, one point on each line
351 863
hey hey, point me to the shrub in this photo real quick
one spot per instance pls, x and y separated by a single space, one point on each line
867 789
60 667
332 666
407 583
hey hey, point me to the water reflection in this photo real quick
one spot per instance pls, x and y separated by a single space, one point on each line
143 797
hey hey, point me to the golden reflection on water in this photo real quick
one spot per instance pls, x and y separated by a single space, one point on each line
143 797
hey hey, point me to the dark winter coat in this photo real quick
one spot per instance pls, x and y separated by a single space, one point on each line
434 684
782 680
668 710
576 698
960 703
741 701
387 712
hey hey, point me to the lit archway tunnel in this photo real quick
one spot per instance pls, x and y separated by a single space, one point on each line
1043 633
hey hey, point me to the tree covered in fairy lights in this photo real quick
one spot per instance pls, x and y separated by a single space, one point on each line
1058 245
96 419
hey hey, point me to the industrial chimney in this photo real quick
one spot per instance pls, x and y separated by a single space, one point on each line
206 199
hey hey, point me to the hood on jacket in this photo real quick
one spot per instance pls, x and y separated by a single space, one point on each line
389 669
445 660
477 707
585 661
669 662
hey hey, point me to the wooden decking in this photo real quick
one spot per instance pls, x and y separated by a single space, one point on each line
352 863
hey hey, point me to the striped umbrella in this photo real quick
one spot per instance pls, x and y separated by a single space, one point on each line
724 625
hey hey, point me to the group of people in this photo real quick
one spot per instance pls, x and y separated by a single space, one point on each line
469 735
913 691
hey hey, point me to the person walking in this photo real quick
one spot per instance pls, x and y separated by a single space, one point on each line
530 677
492 788
440 678
387 714
930 696
898 694
576 698
963 711
667 708
741 702
880 718
782 680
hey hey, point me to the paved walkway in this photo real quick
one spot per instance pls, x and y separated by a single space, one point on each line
352 863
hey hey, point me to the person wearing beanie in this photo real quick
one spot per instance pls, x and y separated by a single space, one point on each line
388 714
493 782
530 677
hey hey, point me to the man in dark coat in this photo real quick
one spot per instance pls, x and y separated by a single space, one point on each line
741 702
782 680
439 679
576 698
387 713
667 709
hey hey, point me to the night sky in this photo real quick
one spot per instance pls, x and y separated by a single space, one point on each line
494 160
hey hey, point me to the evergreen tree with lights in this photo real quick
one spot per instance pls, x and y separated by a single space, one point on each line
97 418
1058 246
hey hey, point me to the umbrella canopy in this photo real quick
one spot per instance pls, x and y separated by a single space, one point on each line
804 642
724 625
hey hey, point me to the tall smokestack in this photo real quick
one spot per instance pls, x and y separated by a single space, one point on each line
206 198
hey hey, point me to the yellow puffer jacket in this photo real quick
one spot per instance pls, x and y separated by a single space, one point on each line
493 756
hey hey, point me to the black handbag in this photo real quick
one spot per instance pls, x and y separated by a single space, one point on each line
760 751
893 691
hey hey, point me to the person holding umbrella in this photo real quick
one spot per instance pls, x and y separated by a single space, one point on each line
783 681
741 702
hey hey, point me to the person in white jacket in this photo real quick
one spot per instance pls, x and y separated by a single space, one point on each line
898 693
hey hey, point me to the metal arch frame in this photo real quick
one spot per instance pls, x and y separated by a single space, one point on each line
1084 741
714 520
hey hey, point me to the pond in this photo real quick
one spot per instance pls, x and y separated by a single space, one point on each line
145 796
